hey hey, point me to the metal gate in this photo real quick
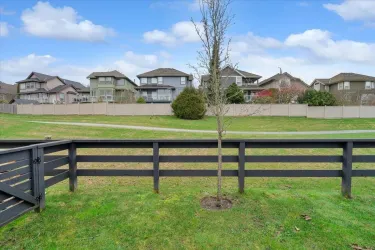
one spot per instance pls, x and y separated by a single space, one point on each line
21 184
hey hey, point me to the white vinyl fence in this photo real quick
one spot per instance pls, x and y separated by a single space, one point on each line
8 108
291 110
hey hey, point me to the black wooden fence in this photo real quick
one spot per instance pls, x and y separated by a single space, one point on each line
26 168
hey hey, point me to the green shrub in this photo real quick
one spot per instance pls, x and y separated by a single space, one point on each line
189 104
317 98
235 94
141 100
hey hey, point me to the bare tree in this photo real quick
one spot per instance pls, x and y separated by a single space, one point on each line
213 56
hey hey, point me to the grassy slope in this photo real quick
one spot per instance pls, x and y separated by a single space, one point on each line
115 212
237 123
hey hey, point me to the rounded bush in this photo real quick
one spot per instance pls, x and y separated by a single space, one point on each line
141 100
189 104
317 98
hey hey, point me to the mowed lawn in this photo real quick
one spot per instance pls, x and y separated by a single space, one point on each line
124 213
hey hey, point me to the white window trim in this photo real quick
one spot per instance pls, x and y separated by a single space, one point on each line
154 80
183 80
144 80
368 85
346 85
340 86
101 79
239 80
160 80
22 86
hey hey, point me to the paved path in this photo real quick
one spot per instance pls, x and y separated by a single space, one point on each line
101 125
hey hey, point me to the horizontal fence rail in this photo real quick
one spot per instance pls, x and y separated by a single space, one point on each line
28 167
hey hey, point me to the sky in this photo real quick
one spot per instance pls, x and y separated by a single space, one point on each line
71 39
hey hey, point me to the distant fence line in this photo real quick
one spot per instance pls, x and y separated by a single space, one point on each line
291 110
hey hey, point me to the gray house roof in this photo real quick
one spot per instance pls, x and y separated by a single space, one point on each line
279 76
59 88
230 71
113 73
164 72
350 77
43 78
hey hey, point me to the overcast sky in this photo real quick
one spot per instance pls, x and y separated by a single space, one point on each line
308 39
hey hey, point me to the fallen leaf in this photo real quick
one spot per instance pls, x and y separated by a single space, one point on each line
358 247
297 229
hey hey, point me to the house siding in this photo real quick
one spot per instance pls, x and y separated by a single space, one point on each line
352 95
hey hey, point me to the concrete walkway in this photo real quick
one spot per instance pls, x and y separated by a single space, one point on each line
101 125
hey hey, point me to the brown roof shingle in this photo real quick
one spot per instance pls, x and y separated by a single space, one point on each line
350 77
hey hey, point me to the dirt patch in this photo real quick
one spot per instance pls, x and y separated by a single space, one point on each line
211 203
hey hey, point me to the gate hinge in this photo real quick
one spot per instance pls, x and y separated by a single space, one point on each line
37 160
38 198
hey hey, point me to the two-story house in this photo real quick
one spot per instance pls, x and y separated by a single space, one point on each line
348 88
50 89
111 86
163 84
247 81
7 92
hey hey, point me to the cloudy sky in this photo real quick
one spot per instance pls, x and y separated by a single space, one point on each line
309 39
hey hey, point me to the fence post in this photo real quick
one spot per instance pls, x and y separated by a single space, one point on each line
241 167
346 181
72 167
325 111
155 157
41 184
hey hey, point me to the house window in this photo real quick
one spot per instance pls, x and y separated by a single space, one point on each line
183 80
369 85
121 82
160 80
327 88
239 80
154 80
108 79
101 79
62 97
37 85
346 85
22 86
144 80
340 86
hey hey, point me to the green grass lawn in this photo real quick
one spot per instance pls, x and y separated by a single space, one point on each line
209 123
124 213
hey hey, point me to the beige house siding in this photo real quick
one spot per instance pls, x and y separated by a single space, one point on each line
276 84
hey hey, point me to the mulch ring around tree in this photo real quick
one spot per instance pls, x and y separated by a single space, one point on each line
211 203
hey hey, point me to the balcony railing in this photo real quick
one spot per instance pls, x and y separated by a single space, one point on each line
158 99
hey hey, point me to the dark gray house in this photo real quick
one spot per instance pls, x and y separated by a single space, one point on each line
348 88
247 81
163 84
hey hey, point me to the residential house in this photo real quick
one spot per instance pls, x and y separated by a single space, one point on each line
111 86
50 89
7 92
283 80
348 88
163 84
247 81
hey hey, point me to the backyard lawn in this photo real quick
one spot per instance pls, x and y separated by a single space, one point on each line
124 213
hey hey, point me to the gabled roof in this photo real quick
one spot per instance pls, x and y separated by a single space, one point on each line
113 73
163 72
350 77
59 88
278 76
43 78
230 71
323 81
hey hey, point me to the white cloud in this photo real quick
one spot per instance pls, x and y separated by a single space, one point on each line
44 20
303 4
321 44
181 32
253 43
352 10
4 29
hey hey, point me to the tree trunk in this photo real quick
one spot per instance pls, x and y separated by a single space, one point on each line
220 158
